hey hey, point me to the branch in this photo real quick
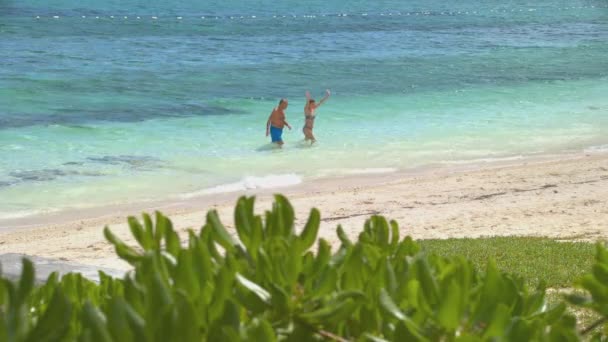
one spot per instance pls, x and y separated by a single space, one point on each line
594 325
331 336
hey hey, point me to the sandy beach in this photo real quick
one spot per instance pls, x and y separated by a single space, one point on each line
564 197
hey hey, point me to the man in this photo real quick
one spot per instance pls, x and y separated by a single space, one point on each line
276 122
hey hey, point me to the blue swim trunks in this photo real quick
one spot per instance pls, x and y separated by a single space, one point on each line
276 133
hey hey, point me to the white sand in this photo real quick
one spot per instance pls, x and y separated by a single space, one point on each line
564 197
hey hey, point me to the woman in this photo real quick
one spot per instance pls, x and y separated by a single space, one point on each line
309 115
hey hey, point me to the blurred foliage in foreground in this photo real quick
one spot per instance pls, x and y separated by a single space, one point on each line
270 284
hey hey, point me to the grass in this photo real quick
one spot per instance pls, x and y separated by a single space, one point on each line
559 264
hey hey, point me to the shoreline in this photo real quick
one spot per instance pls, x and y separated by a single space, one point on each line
114 213
561 196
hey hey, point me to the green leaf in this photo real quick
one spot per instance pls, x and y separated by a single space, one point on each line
394 234
261 330
159 294
343 237
137 230
284 214
280 300
325 283
323 256
427 280
136 322
243 217
54 324
413 293
534 303
333 313
159 233
134 293
223 283
355 270
300 332
94 322
600 271
185 275
311 229
149 231
220 234
520 330
230 317
601 253
381 230
493 292
203 266
257 235
122 250
408 331
117 323
292 264
172 244
187 323
26 282
450 307
207 239
554 314
389 305
390 277
597 289
497 322
355 295
255 288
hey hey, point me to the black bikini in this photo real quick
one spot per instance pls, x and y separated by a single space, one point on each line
308 117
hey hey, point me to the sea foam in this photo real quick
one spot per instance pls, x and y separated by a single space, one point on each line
597 149
249 183
8 215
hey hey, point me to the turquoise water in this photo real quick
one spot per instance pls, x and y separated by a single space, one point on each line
112 102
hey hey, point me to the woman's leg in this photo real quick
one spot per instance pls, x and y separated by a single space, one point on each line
308 134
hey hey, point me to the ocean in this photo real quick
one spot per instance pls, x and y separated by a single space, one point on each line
110 102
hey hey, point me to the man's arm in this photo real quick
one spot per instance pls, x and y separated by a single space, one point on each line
285 122
268 123
307 96
282 117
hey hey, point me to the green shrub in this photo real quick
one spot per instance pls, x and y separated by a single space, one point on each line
267 284
595 285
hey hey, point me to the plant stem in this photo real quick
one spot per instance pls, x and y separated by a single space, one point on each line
331 336
594 325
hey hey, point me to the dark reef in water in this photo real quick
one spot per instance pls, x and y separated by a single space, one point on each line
78 117
49 174
139 163
133 161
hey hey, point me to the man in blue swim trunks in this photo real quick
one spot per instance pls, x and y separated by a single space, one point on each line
276 122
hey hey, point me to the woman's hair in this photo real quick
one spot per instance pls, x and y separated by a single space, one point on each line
311 100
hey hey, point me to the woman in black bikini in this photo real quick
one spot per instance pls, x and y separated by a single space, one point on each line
309 115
